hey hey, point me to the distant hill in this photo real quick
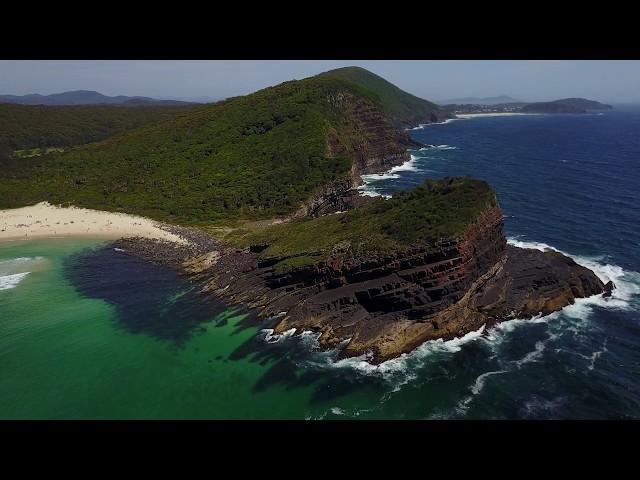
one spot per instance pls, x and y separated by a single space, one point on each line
480 100
583 103
550 107
85 97
566 105
403 108
42 126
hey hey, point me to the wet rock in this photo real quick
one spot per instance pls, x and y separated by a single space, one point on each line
608 289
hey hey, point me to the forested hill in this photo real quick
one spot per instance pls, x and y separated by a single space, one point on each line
566 105
403 108
30 126
256 156
584 103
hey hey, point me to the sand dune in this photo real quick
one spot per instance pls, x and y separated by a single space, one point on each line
45 220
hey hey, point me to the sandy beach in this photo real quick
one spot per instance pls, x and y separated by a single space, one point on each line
47 221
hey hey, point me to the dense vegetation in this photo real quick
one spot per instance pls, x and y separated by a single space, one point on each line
246 158
401 106
28 126
255 156
426 214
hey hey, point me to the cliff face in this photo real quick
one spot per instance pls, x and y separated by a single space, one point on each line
365 135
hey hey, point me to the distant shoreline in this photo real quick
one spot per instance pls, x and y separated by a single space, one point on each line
494 114
44 220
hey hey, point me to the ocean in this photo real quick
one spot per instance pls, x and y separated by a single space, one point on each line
89 332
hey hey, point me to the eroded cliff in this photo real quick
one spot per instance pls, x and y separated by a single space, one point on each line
364 134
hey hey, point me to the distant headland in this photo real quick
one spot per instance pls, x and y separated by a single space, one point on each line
564 105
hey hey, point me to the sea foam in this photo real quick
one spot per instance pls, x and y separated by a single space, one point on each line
368 188
627 283
13 271
403 369
444 122
11 281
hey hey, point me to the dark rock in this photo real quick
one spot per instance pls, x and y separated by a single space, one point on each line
389 304
608 289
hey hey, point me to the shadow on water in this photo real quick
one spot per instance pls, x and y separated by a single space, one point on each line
288 366
155 300
149 299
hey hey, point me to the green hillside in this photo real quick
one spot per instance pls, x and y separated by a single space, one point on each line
404 108
37 126
252 157
255 156
425 214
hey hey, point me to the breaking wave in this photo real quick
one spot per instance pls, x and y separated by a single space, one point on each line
11 281
398 371
404 369
437 147
368 188
13 271
627 283
444 122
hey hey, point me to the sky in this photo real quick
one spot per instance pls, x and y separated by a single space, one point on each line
528 80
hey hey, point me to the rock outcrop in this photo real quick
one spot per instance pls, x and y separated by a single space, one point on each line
386 305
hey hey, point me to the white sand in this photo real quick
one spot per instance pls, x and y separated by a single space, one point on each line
493 114
45 220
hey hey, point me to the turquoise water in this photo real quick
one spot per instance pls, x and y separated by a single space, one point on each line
63 355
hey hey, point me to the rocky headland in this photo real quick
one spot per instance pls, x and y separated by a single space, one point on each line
383 292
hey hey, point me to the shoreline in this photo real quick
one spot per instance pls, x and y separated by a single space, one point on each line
44 220
494 114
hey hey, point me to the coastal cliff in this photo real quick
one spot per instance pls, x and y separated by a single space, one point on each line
384 291
367 137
